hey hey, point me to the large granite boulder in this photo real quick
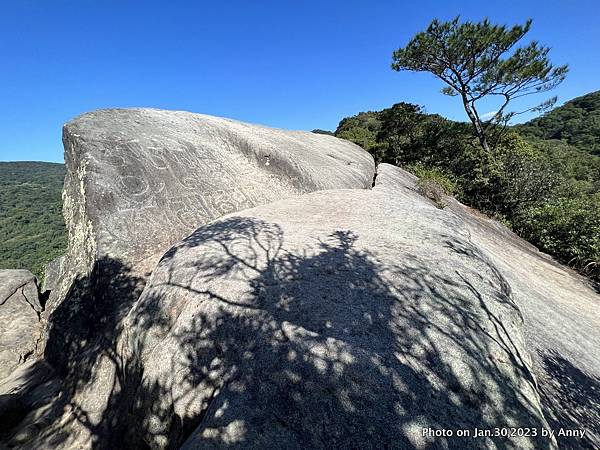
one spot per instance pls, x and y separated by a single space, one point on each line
338 319
561 320
561 310
19 318
138 180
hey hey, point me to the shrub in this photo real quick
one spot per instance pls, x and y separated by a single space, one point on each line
433 184
568 229
516 176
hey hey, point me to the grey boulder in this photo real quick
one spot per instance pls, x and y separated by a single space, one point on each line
338 319
19 318
139 180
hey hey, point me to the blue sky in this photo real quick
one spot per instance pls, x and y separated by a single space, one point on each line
290 64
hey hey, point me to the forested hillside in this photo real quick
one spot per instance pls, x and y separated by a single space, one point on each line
32 229
546 190
577 123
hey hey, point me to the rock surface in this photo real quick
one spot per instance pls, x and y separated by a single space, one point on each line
139 180
52 273
338 319
151 176
29 387
561 320
19 318
562 327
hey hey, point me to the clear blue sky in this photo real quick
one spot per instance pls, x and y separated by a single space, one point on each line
291 64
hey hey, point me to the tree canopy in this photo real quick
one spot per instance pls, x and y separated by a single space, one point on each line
32 228
478 60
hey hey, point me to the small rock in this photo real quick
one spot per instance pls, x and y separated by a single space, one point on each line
19 318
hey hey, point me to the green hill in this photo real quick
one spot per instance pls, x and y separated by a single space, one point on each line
577 123
32 229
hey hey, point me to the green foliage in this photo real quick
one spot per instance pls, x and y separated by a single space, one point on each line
361 129
546 190
577 123
433 183
477 60
31 223
516 177
443 179
569 227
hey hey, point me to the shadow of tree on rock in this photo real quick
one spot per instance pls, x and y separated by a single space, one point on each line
81 346
246 339
249 336
571 400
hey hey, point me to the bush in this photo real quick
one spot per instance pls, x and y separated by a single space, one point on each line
567 228
433 184
516 176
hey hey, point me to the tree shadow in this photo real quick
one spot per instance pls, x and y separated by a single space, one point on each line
265 342
571 400
81 346
246 339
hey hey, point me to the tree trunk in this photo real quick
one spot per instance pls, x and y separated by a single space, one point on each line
477 125
485 153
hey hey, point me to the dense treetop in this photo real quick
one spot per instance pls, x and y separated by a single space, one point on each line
32 228
577 122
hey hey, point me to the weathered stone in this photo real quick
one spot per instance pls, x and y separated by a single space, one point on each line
138 180
52 273
27 388
19 318
560 310
562 326
337 319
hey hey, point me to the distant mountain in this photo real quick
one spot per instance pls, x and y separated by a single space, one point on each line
319 131
577 123
31 222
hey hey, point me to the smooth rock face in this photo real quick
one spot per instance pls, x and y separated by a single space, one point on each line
562 327
561 319
139 180
338 319
19 318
